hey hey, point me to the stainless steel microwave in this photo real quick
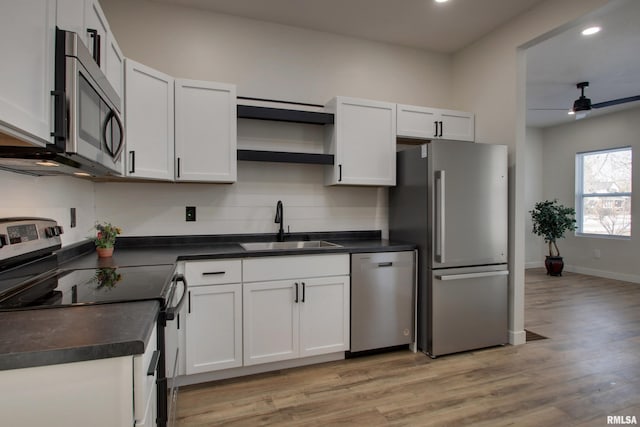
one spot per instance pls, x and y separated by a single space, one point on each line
88 126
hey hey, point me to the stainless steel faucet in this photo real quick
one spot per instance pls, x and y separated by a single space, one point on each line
280 219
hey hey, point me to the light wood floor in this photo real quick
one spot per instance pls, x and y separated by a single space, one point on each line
588 368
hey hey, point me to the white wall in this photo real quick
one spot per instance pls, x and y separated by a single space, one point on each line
269 61
489 79
276 61
535 247
619 258
50 197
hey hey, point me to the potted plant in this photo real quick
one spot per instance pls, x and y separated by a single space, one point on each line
551 220
105 238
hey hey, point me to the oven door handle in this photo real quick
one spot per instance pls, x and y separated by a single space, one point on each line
172 311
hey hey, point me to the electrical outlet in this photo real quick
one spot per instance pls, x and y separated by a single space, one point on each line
596 253
190 213
72 215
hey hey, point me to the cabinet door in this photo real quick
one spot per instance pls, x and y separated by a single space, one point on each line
457 125
417 122
270 316
95 20
205 131
364 139
27 40
214 328
149 118
324 315
115 67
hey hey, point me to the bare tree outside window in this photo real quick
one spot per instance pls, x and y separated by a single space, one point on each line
603 192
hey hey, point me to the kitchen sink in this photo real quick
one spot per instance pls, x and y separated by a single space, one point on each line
268 246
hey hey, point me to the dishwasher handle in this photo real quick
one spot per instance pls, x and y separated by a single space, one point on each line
472 275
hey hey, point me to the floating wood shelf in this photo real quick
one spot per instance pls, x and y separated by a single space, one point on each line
284 115
285 157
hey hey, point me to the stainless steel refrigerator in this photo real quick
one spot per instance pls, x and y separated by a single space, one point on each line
451 200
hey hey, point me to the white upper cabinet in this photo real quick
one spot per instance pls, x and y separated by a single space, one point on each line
205 131
363 140
115 68
86 18
27 41
433 123
149 111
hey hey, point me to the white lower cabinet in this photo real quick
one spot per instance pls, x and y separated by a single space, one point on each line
299 316
260 310
213 318
288 319
214 328
108 392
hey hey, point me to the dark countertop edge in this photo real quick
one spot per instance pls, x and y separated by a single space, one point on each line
70 355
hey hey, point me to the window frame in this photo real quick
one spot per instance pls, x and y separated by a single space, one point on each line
580 195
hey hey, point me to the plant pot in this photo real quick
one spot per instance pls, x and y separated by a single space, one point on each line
554 265
104 252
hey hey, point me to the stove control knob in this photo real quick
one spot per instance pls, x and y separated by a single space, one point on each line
59 230
4 241
48 231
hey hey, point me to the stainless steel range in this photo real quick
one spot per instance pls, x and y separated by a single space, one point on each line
30 279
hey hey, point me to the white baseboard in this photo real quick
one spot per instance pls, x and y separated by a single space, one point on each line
534 264
517 337
633 278
256 369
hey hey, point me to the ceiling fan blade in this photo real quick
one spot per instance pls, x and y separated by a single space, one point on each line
616 102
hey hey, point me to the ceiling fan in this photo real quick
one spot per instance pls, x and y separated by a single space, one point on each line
583 105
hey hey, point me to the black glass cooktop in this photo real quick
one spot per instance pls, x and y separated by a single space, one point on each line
78 287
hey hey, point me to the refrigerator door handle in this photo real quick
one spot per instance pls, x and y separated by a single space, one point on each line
472 275
440 217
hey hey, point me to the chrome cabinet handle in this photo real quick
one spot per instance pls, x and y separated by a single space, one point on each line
303 291
385 264
296 300
213 273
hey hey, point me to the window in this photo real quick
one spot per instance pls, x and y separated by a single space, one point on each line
603 192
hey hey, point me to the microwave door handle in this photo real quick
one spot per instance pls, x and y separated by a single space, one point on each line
108 124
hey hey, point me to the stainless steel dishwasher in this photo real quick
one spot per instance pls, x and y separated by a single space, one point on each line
382 300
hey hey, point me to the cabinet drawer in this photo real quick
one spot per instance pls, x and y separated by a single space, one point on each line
213 272
295 267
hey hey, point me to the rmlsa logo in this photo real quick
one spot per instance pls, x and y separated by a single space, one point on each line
621 419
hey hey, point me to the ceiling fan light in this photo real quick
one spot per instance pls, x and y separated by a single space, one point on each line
582 104
581 114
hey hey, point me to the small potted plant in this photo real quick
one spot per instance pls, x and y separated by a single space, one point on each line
551 220
105 238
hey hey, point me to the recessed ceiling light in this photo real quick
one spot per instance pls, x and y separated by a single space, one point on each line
441 1
81 174
591 30
571 112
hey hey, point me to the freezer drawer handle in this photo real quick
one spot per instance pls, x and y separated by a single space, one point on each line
472 275
385 264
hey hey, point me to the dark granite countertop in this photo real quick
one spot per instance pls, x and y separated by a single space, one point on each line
52 336
167 250
61 335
